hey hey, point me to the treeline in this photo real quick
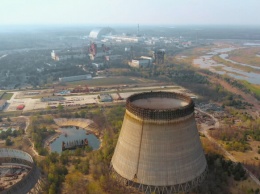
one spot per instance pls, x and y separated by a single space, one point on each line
99 160
241 85
244 86
222 175
255 134
9 133
229 168
73 169
235 140
183 74
220 171
55 171
38 132
38 135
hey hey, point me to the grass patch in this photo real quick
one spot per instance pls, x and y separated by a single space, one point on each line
7 96
105 82
246 56
230 64
220 68
1 94
255 89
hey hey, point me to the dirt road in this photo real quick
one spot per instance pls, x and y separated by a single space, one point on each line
35 153
204 130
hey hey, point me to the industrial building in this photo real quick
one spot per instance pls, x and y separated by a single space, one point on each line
65 55
117 38
109 34
98 50
105 98
75 78
52 98
97 65
140 63
99 33
159 148
3 103
159 56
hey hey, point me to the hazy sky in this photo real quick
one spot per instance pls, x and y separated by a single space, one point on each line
159 12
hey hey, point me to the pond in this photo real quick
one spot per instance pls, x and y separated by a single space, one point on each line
71 134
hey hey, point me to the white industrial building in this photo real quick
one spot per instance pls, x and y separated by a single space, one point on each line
149 58
97 65
65 55
98 33
105 98
52 98
125 38
140 63
75 78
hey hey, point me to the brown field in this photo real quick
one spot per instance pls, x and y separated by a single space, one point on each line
234 187
248 156
241 187
246 55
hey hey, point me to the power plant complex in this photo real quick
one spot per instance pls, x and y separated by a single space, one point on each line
159 149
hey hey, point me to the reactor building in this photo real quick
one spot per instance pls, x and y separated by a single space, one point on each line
159 149
99 33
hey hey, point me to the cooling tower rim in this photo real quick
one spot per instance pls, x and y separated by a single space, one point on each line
160 114
30 180
14 153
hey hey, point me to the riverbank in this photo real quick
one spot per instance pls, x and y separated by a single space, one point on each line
51 139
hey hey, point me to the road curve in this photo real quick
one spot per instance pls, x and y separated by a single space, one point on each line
229 155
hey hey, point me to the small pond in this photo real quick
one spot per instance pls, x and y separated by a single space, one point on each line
70 134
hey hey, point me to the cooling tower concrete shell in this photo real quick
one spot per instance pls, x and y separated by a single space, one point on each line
31 182
158 148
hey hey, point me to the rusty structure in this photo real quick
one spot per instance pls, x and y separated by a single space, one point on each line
159 149
32 182
159 56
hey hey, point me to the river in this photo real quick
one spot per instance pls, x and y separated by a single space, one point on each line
207 62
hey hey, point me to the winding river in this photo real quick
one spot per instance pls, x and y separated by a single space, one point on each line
207 62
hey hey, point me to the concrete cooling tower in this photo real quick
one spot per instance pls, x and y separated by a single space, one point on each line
159 149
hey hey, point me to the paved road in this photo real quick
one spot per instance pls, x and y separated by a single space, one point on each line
229 155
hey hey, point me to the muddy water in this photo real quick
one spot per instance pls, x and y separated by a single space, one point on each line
72 134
